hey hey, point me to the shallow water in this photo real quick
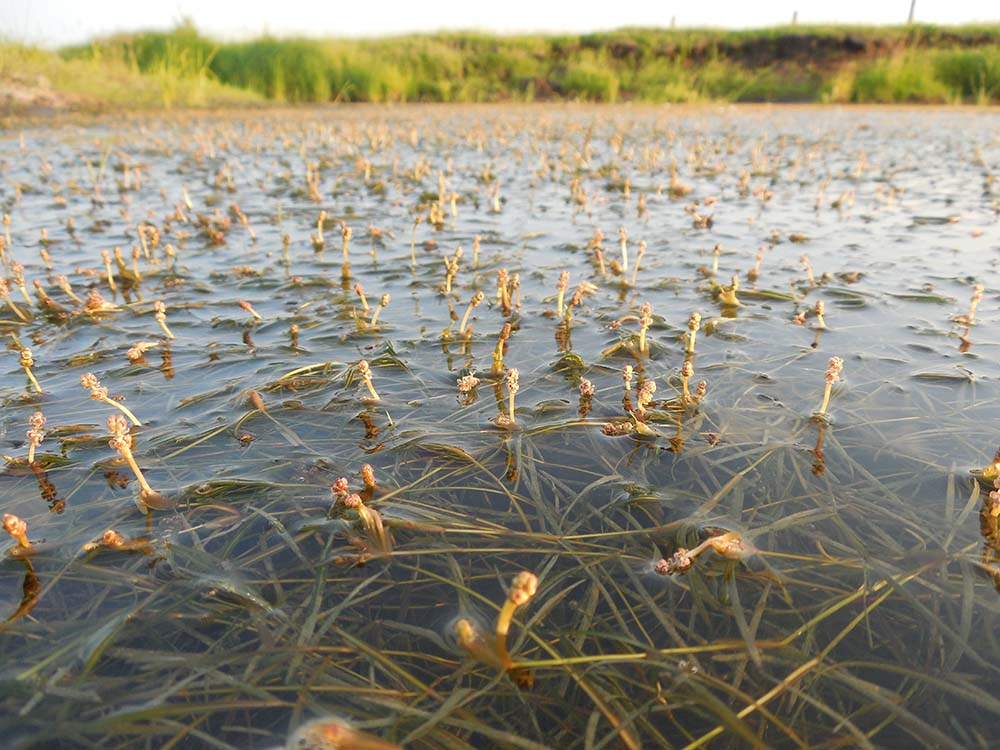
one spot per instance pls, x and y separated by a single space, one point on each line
865 610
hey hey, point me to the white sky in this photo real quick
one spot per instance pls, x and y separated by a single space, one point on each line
58 22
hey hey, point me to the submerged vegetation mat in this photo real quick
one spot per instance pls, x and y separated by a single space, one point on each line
444 428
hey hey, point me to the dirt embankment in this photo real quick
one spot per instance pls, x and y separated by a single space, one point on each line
821 51
31 94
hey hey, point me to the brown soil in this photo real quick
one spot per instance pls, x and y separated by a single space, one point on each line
24 94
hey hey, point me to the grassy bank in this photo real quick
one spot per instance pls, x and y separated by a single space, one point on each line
33 79
906 64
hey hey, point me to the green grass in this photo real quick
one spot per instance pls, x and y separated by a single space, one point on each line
103 79
903 64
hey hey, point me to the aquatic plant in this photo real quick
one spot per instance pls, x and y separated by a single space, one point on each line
17 530
317 239
638 260
372 522
500 349
476 300
360 291
627 374
561 287
833 371
63 282
35 434
365 373
109 276
687 372
368 476
17 274
729 544
161 318
451 270
5 295
694 323
245 304
27 361
522 589
969 318
807 266
623 243
819 310
330 733
645 321
467 383
513 386
727 294
345 239
295 603
100 393
383 302
121 442
754 272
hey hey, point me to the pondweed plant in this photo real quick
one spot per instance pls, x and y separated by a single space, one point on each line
628 372
27 361
365 373
473 641
754 273
137 352
17 275
17 530
833 371
522 590
108 275
345 240
318 241
503 291
687 372
716 254
561 285
35 434
730 545
969 318
5 294
229 623
467 384
691 337
96 304
368 476
476 300
451 269
638 259
245 305
500 350
512 381
807 266
383 302
161 318
360 291
46 302
645 321
121 442
587 391
331 733
727 294
100 393
372 522
819 310
623 242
